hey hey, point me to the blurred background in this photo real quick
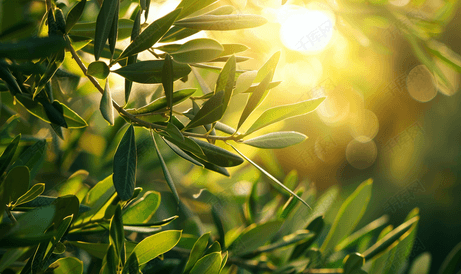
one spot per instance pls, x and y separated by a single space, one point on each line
388 115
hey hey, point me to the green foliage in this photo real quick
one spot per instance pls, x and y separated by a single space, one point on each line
116 227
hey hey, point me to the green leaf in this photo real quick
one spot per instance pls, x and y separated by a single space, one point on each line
72 119
209 264
16 183
271 85
269 66
31 194
10 81
222 22
99 250
254 236
151 34
198 50
167 82
230 49
150 72
155 245
104 24
117 235
32 223
177 33
132 59
300 236
105 106
68 265
166 173
74 15
113 33
65 206
125 165
143 209
51 69
33 157
353 262
217 155
132 265
422 264
88 29
273 179
181 153
197 251
383 244
11 256
214 109
161 103
349 215
190 6
32 48
256 98
355 237
451 263
8 154
280 113
98 69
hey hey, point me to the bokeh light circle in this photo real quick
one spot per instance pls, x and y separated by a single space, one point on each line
421 84
364 123
361 152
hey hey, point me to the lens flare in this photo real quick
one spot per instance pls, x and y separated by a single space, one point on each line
304 30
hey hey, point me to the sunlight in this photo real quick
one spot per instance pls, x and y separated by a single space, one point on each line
304 30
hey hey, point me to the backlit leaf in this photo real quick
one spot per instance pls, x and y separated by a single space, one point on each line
74 15
68 265
349 215
143 209
209 264
190 6
155 245
197 251
31 194
222 22
88 29
256 98
198 50
104 24
125 165
217 155
151 34
161 103
255 236
276 139
150 72
280 113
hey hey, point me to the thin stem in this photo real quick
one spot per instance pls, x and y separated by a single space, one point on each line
133 117
48 4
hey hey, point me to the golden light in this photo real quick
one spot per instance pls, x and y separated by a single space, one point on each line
305 30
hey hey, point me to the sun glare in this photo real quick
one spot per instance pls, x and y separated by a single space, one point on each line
305 30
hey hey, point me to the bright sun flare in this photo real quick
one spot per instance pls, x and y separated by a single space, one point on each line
305 30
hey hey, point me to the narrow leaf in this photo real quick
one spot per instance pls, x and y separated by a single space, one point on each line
31 194
105 106
166 173
104 24
181 153
197 251
198 50
151 34
150 72
125 165
209 264
280 113
190 6
8 154
132 59
349 215
222 22
161 103
167 82
276 139
451 263
74 15
256 98
88 30
218 156
269 66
